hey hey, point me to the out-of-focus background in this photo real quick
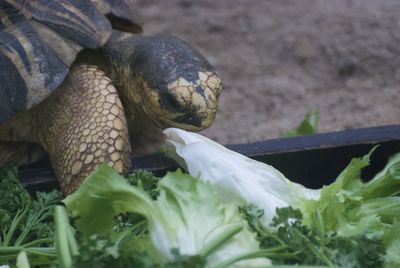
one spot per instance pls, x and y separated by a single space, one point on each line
279 59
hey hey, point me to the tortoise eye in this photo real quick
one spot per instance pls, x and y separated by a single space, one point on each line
171 103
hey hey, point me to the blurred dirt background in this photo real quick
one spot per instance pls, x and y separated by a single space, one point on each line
279 59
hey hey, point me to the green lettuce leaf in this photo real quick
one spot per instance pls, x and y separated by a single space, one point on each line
188 217
351 207
392 240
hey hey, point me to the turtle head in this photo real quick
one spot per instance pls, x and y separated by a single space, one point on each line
167 80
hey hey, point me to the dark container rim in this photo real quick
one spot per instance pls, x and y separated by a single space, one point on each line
313 160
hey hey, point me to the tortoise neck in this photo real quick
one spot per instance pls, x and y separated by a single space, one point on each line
115 66
118 54
96 58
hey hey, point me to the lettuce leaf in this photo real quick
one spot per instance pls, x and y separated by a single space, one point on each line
352 207
187 218
236 177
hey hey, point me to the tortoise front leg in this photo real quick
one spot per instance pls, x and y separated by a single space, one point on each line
82 125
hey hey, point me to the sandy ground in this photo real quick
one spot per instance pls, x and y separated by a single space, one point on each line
279 59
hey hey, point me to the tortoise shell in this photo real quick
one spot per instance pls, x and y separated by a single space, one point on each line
39 40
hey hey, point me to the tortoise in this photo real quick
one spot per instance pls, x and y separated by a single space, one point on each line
75 73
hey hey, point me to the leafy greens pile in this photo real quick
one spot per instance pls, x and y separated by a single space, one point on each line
227 211
25 222
362 217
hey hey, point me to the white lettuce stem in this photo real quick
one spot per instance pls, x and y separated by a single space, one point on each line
236 177
62 229
221 239
252 255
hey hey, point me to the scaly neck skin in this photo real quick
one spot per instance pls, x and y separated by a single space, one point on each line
120 53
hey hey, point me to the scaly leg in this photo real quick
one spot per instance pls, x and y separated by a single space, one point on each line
82 125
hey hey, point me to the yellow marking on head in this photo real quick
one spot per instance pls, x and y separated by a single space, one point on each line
141 98
182 82
174 84
202 104
203 76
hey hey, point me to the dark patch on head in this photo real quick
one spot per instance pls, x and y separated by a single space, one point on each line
199 89
189 119
170 103
163 60
13 91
